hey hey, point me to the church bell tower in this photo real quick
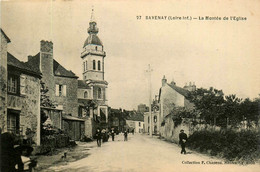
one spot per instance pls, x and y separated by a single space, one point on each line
93 54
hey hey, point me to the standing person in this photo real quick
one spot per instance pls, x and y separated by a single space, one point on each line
125 135
98 135
113 134
182 141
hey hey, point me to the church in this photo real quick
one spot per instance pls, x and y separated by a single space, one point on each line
92 99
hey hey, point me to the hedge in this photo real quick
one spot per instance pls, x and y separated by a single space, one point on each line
242 146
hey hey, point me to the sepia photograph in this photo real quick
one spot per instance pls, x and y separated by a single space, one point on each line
129 85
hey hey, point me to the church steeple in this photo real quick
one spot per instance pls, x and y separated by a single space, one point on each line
93 54
92 24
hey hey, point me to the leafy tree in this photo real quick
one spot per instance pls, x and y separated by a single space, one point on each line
232 114
209 102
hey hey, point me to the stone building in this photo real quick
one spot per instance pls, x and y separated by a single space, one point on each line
20 92
92 89
62 86
170 95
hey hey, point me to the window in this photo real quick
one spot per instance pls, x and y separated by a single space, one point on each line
155 119
96 48
148 119
139 124
85 94
99 93
99 65
94 65
86 65
13 122
61 90
12 85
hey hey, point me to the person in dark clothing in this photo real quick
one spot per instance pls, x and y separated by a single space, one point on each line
98 135
10 157
182 141
125 135
113 134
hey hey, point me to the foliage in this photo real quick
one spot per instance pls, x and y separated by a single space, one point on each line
208 102
45 99
240 146
224 111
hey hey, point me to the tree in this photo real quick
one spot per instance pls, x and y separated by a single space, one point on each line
208 102
232 114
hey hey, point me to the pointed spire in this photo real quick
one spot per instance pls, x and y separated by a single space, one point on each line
92 19
92 24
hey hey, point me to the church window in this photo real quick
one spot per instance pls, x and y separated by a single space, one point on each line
85 94
99 93
94 64
155 119
99 65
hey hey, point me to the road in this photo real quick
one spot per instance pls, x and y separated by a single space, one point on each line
141 153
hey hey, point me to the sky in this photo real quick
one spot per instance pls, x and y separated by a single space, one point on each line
212 53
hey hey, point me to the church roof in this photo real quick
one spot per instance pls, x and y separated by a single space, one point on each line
93 39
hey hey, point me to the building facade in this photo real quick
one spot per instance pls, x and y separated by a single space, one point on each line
22 102
170 96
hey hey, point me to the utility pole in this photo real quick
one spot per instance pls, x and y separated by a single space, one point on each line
149 71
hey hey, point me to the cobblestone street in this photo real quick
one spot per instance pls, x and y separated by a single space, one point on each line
143 153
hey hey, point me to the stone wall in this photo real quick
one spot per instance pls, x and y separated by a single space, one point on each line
29 106
70 101
3 83
171 132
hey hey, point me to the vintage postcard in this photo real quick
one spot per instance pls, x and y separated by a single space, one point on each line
130 86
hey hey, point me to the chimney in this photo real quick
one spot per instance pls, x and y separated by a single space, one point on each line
164 80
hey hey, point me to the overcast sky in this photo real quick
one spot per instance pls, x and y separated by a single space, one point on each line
222 54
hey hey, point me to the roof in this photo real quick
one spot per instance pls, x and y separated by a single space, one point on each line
13 61
58 69
6 37
93 39
180 90
72 118
135 117
83 84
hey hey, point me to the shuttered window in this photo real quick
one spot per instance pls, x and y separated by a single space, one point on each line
23 84
61 90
